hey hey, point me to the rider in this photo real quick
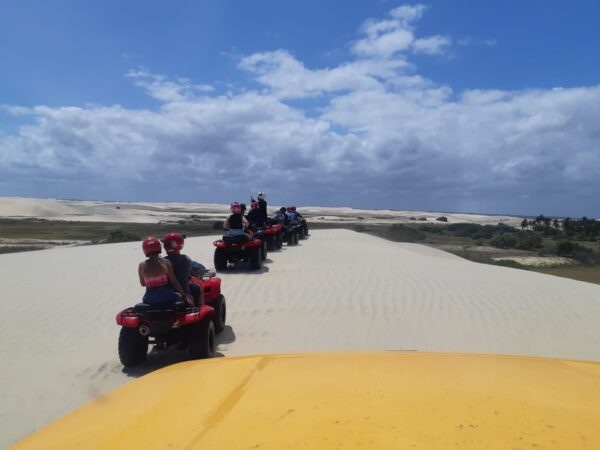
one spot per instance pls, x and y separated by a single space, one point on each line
291 214
182 266
156 274
255 216
298 215
281 216
236 223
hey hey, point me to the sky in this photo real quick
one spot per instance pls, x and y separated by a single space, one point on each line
461 105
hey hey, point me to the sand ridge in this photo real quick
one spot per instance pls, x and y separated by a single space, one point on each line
104 211
338 290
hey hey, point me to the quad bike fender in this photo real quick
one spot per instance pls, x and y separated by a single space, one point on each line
211 287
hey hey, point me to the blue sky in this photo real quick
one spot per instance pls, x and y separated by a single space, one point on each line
444 105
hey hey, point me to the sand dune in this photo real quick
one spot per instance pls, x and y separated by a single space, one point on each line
337 290
101 211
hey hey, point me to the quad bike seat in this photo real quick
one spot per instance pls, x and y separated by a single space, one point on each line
236 239
177 306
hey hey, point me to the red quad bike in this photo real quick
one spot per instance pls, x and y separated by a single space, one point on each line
273 235
181 325
239 248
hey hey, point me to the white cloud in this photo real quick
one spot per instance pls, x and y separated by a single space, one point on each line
432 45
382 136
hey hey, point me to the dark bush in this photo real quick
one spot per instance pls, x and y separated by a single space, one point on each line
402 233
528 240
565 248
442 219
503 241
122 236
431 228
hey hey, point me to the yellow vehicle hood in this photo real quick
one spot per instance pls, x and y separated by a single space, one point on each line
353 400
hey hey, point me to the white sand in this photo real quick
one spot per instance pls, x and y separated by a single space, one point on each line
99 211
337 290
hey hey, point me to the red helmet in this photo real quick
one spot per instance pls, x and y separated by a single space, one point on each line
255 205
151 245
236 208
290 208
293 208
173 242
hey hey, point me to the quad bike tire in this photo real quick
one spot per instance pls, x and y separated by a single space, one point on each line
133 347
202 339
301 234
271 243
279 241
220 259
264 250
220 314
256 258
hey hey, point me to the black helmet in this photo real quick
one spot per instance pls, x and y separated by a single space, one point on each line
282 209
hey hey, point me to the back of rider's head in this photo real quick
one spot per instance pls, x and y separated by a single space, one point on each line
173 243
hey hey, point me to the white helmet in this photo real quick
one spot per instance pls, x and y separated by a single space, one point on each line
261 195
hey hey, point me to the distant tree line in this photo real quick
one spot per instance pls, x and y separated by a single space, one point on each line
584 228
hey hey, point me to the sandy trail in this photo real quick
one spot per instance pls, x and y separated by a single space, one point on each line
337 290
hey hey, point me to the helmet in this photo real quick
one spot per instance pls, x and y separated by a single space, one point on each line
243 207
173 242
261 195
255 205
293 208
151 245
236 208
282 209
289 208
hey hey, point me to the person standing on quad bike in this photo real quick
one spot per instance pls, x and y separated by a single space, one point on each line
255 216
262 205
182 266
157 276
236 223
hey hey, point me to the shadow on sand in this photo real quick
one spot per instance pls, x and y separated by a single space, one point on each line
160 359
243 268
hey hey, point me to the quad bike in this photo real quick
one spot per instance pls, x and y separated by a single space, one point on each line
273 235
246 248
179 325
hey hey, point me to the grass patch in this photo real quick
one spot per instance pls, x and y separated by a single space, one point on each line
590 274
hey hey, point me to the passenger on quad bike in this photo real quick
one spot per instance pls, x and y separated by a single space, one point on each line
236 223
243 208
255 216
156 274
292 215
281 217
182 266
